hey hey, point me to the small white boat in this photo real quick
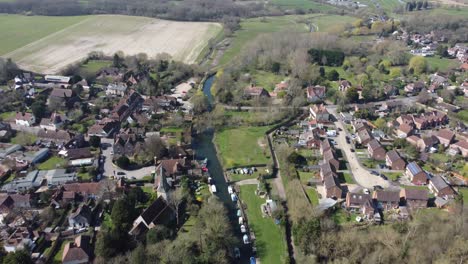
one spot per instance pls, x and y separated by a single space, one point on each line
230 191
358 219
213 188
246 240
241 220
243 229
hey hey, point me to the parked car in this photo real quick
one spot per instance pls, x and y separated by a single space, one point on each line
374 173
121 173
366 191
383 177
352 150
243 229
252 260
377 187
246 240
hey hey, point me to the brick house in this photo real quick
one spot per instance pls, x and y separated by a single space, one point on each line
462 146
414 199
77 251
329 156
386 200
332 187
394 161
25 119
445 137
360 203
126 145
376 151
416 174
404 130
364 137
315 93
439 187
319 112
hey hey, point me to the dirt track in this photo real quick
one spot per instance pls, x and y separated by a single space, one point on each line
109 34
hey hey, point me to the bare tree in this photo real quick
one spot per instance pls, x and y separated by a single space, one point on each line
175 200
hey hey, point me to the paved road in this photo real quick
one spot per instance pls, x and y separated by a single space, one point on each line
111 170
362 176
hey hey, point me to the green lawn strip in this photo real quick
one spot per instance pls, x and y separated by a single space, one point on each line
7 115
58 255
93 66
439 157
53 163
306 176
84 176
442 64
464 192
267 80
414 187
393 175
312 194
463 115
241 146
348 178
17 31
270 240
172 129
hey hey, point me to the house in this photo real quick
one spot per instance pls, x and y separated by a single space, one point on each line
30 157
152 103
21 239
440 188
376 151
6 204
56 138
157 213
344 85
332 187
315 93
390 90
445 137
80 218
360 203
413 140
104 128
78 251
5 132
53 123
405 119
129 104
415 174
327 170
394 161
33 179
359 125
324 146
426 143
404 130
462 146
414 88
59 176
438 80
254 91
171 168
88 190
118 89
78 156
126 145
25 119
386 200
363 137
282 86
110 73
319 112
62 96
329 156
414 199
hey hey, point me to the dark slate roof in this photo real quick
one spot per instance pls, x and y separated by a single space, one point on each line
154 210
412 194
386 196
393 155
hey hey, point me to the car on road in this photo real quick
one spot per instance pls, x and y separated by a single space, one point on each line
133 178
383 177
352 150
252 260
121 173
374 173
366 191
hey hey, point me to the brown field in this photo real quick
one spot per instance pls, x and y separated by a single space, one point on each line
110 33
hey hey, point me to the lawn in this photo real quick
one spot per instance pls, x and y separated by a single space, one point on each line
53 163
341 216
306 176
393 175
58 256
94 66
313 195
387 5
464 192
266 80
348 178
463 115
302 4
84 176
270 240
172 130
23 138
442 64
7 115
243 146
414 187
148 189
17 31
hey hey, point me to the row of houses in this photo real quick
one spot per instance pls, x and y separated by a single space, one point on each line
328 171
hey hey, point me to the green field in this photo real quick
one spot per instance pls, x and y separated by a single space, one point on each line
313 195
463 115
94 66
267 80
17 31
302 4
270 240
53 163
442 64
243 146
387 5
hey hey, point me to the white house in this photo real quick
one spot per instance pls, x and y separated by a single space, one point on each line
116 89
25 119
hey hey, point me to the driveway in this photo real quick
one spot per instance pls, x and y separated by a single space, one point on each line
111 170
361 175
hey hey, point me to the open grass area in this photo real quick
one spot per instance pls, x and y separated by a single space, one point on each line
348 178
17 31
464 192
341 216
84 176
94 66
58 256
23 138
393 175
442 64
312 194
463 115
7 115
53 163
302 4
267 80
270 240
243 146
172 130
414 187
387 5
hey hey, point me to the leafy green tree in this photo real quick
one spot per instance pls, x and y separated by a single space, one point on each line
95 141
333 75
18 257
158 233
352 95
123 162
297 158
418 65
123 213
307 234
39 109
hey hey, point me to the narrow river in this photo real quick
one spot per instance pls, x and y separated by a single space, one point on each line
204 148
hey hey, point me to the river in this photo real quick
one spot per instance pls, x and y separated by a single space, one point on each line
204 148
